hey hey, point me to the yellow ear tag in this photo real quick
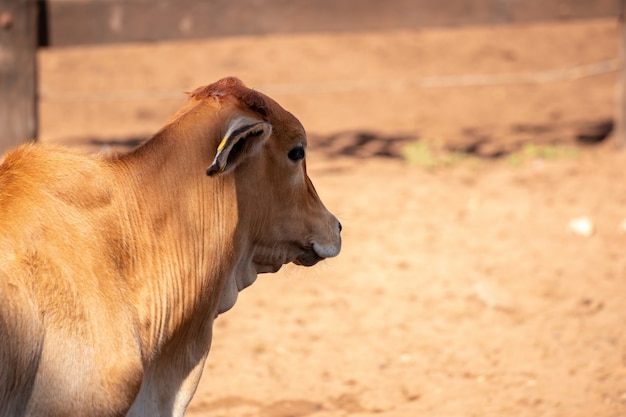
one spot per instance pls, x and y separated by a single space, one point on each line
222 143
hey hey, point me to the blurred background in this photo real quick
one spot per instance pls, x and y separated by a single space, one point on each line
471 149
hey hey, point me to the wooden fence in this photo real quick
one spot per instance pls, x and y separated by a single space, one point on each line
18 72
26 25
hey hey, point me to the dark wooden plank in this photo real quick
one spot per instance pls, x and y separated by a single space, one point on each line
538 10
620 97
18 72
73 22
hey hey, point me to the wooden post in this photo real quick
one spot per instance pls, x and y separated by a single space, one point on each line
620 102
18 72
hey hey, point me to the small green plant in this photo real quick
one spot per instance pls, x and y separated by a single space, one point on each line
532 151
418 153
429 156
515 159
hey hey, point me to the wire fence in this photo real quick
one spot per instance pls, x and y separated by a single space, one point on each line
572 73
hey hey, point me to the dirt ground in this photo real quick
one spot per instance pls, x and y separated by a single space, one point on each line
461 289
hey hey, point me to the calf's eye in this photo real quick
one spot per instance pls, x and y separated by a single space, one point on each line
296 153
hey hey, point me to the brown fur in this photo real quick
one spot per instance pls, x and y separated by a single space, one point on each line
113 269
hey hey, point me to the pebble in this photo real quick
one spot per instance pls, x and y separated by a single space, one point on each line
581 226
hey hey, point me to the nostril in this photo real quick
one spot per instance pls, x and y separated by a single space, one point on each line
340 226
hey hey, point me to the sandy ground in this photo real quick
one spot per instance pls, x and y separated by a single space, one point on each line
460 290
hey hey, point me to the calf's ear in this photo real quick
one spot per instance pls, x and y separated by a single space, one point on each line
244 137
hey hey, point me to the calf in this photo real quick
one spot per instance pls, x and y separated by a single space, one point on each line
112 269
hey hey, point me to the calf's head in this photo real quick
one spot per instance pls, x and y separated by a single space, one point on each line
264 147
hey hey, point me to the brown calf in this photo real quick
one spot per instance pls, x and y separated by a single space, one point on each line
112 270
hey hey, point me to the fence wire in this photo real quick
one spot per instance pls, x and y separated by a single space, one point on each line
351 86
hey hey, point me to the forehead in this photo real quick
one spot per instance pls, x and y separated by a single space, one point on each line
285 125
